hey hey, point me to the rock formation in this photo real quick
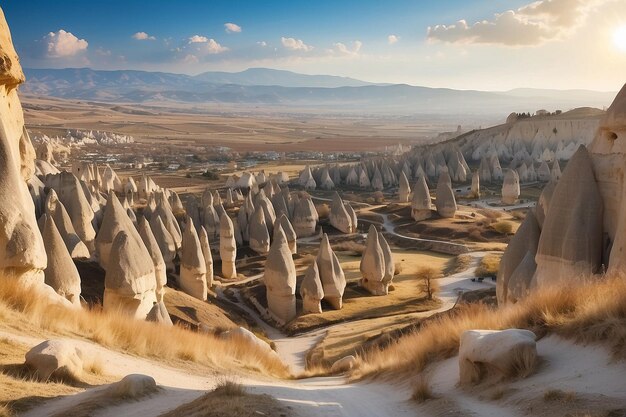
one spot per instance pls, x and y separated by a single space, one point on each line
208 257
510 187
61 273
289 231
404 189
305 218
259 235
331 274
373 264
339 217
570 245
192 264
445 202
165 241
155 253
280 280
475 190
159 314
55 209
311 290
228 247
129 283
421 205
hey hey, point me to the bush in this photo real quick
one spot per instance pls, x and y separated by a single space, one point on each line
503 227
211 175
421 391
488 266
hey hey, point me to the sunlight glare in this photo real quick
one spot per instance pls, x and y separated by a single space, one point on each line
619 38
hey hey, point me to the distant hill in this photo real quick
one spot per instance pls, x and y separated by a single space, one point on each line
260 86
266 76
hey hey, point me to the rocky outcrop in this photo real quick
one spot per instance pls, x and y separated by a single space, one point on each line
259 234
496 354
155 253
305 218
510 187
56 210
280 280
165 241
289 231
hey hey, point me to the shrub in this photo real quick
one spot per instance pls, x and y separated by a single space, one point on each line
503 227
421 390
488 266
211 175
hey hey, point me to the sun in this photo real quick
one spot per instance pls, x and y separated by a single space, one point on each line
619 38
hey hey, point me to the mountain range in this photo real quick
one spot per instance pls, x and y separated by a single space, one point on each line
263 86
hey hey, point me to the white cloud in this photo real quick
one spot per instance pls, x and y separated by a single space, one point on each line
533 24
262 43
143 36
232 28
342 49
198 39
295 44
391 39
63 44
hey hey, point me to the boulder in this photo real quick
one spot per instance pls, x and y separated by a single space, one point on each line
159 314
55 358
345 364
496 354
132 386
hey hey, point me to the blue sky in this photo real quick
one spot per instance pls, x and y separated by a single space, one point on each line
500 44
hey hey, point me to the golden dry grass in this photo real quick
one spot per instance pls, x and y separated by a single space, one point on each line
503 227
592 312
489 265
457 264
421 390
23 310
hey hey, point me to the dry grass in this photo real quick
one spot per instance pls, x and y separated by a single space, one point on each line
593 312
457 264
349 246
230 399
421 390
488 266
503 227
558 395
24 311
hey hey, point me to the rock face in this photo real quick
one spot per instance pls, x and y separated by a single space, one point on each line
373 264
192 265
445 202
404 190
496 354
55 358
61 273
511 284
311 290
228 247
510 187
570 245
155 253
22 252
331 274
421 205
280 280
339 217
129 283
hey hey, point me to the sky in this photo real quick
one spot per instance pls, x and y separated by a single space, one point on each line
492 45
